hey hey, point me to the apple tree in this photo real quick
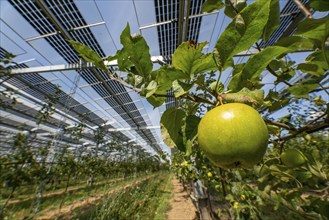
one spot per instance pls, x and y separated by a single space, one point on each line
292 176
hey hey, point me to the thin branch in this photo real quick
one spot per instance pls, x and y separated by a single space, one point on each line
316 119
122 82
193 98
308 129
281 125
302 7
324 89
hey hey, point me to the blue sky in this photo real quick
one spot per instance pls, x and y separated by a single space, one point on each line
14 29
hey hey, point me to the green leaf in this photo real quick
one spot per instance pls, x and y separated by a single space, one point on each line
315 29
190 130
134 80
249 76
231 41
191 127
211 5
311 68
273 20
88 54
217 86
319 5
151 88
156 101
165 75
296 43
135 51
254 98
171 123
301 90
190 59
180 88
234 6
319 58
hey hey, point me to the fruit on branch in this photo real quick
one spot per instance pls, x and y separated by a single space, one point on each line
293 158
233 135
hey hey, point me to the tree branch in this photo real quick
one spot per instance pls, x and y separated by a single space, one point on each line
308 129
302 7
281 125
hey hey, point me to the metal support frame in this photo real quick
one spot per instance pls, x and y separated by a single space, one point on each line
175 20
58 32
134 128
67 67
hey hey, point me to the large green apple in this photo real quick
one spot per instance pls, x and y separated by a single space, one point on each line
233 135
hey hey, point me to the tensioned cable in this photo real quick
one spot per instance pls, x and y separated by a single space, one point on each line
137 17
116 48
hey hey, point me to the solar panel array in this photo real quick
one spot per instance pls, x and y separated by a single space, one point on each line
69 17
289 14
60 18
168 33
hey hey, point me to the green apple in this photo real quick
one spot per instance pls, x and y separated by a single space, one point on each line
209 174
233 135
293 158
184 164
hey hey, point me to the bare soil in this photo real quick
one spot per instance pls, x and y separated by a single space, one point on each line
182 207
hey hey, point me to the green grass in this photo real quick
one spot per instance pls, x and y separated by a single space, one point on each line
22 209
147 200
164 203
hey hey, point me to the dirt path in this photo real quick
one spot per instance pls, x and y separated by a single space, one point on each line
182 207
66 210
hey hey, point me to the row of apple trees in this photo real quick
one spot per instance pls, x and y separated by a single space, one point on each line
299 190
27 167
30 164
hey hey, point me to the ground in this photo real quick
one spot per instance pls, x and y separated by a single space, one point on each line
182 207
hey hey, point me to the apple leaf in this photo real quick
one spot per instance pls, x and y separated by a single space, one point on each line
249 76
189 58
165 75
273 99
296 43
315 29
191 127
311 68
171 127
151 88
181 88
302 89
134 80
211 5
88 54
234 6
217 86
254 98
156 101
232 41
190 130
273 20
135 51
319 58
319 5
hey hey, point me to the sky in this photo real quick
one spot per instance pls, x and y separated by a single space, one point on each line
14 30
